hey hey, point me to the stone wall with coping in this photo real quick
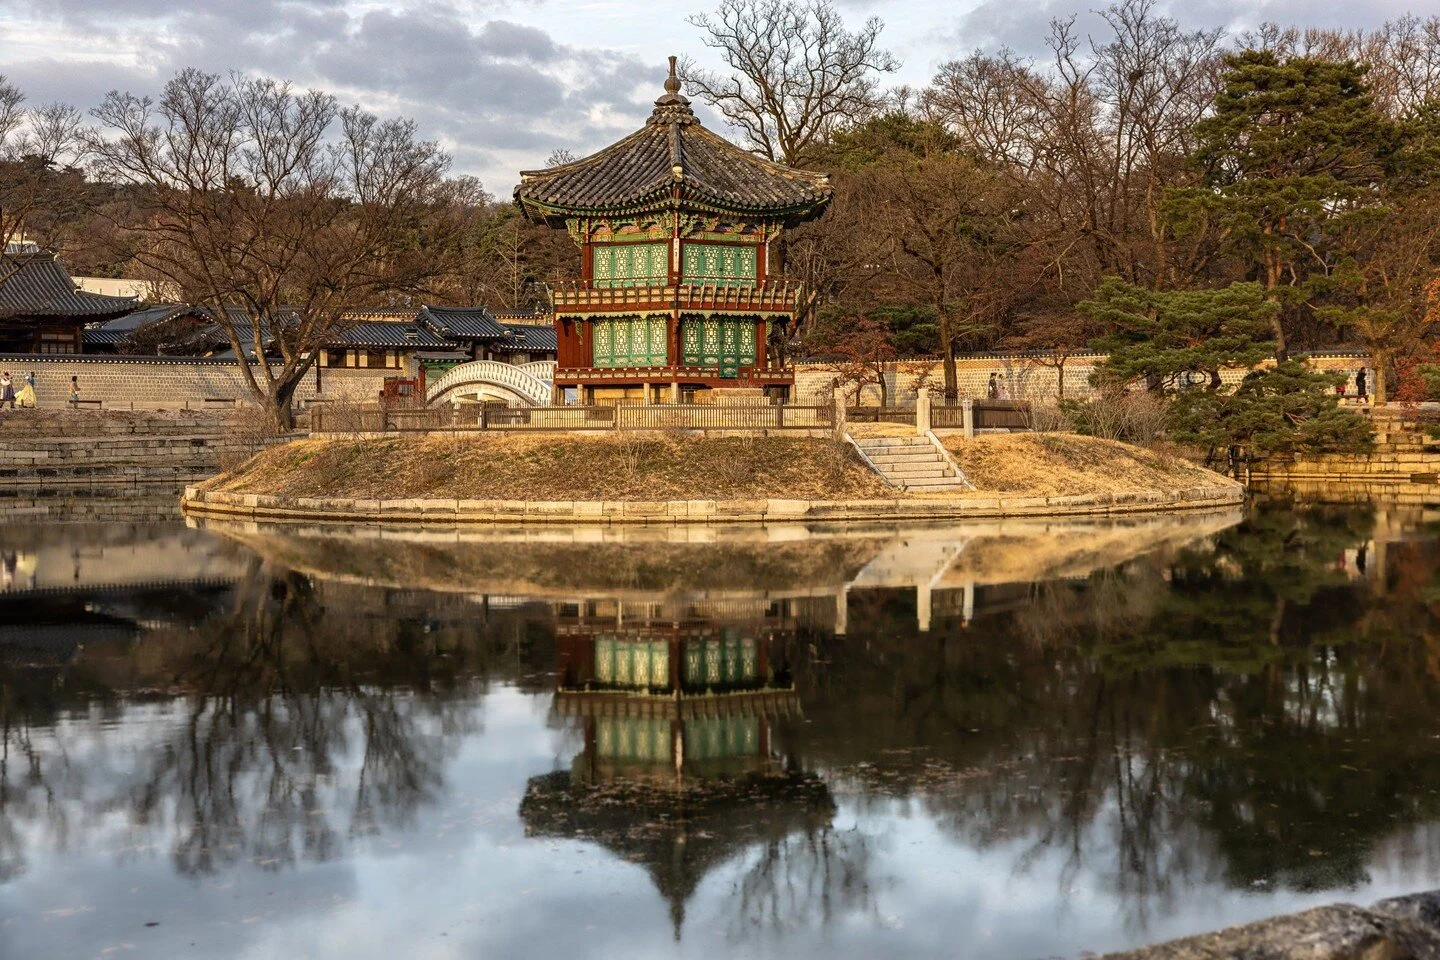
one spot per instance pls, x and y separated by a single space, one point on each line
1403 453
172 382
255 506
1025 377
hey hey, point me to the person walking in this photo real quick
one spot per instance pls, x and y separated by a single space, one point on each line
7 391
26 396
1360 392
992 390
75 392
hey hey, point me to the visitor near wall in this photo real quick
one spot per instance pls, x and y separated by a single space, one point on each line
26 396
1360 391
992 390
7 391
75 391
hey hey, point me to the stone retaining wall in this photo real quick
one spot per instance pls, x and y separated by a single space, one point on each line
124 459
1401 928
30 425
217 503
1403 454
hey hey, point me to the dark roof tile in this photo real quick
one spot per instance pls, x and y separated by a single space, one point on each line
387 333
639 172
532 337
37 285
463 323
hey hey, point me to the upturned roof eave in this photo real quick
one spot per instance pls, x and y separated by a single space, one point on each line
661 200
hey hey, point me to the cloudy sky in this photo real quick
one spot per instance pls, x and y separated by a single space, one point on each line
502 83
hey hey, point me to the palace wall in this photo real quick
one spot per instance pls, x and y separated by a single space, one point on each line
171 382
1025 378
180 383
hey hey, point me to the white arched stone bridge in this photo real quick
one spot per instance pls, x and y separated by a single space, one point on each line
480 381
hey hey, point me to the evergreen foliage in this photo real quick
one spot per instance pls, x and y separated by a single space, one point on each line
1291 155
1166 339
1281 409
1175 341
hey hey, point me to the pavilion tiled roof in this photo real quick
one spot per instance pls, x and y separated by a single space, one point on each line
673 149
36 285
463 323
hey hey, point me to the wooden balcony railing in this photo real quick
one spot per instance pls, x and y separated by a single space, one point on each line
662 374
769 296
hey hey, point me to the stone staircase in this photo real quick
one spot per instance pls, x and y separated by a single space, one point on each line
912 463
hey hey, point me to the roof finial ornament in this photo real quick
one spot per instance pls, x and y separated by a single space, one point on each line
672 107
672 82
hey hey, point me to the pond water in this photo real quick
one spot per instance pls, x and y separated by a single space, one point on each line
1005 740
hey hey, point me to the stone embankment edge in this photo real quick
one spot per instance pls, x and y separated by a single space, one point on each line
214 503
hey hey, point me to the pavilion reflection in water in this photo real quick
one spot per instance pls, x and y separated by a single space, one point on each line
681 707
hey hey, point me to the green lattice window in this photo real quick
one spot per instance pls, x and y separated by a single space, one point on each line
715 738
717 263
728 662
634 738
627 663
718 342
631 264
629 342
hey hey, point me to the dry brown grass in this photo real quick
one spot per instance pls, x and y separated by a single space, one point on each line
551 466
861 430
1051 465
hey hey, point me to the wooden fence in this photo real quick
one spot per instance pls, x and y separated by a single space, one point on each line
626 417
865 414
989 415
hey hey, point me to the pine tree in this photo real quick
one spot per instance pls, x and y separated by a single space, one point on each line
1173 338
1291 155
1176 341
1280 409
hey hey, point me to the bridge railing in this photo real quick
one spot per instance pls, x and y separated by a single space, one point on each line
634 417
518 380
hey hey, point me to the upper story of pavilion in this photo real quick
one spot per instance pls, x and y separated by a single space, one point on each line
673 217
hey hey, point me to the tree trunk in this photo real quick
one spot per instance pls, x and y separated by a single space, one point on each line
1273 270
1378 394
279 404
947 343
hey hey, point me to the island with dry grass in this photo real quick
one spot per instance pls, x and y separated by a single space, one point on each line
632 477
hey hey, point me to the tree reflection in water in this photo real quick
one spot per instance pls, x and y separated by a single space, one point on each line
1256 711
302 719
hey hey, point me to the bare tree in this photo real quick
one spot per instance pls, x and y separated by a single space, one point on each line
795 72
40 180
959 244
255 205
1097 135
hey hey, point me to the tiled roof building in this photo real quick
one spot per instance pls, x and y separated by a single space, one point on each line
675 226
41 311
